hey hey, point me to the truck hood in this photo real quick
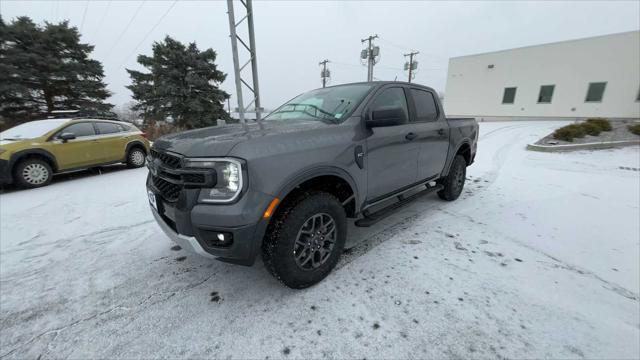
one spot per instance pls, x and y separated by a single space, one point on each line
219 140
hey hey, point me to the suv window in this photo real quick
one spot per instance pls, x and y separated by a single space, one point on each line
108 128
426 108
391 98
79 129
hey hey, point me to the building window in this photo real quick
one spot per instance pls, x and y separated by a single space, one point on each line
546 93
509 95
595 91
638 96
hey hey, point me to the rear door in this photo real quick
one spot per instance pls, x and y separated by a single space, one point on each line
79 152
112 141
391 154
433 132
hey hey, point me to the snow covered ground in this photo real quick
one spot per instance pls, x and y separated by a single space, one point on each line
539 258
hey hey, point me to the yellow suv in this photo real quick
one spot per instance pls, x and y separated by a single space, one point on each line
32 152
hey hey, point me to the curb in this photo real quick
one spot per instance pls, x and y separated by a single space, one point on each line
586 146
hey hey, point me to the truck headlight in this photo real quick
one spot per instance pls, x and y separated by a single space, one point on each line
229 178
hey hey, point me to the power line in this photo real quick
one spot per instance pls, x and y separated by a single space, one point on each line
125 29
84 15
149 32
101 21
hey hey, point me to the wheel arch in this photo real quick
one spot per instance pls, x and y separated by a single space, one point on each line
33 153
330 179
135 143
463 149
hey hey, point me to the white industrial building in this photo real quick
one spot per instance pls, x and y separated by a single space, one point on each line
591 77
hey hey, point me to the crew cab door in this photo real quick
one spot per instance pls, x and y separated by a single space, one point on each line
433 132
391 152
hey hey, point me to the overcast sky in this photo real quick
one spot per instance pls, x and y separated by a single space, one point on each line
292 37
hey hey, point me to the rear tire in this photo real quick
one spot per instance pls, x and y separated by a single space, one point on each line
136 158
305 240
454 181
32 173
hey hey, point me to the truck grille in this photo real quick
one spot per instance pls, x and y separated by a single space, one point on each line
169 178
168 160
168 191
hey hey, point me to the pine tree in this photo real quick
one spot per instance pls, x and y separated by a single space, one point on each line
182 84
46 68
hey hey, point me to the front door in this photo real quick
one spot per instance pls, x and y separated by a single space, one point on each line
391 152
79 152
433 133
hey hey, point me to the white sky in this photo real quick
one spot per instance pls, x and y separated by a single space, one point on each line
292 37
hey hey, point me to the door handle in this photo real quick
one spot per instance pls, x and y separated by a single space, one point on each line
440 131
410 136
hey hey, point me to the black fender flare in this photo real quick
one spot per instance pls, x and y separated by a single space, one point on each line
133 143
445 172
40 152
308 174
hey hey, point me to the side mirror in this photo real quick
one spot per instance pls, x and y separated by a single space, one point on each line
386 117
67 136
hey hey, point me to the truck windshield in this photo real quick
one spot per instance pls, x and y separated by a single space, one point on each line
327 104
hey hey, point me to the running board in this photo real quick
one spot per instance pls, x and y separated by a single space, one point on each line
372 218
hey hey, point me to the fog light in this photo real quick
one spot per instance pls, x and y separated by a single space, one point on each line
222 239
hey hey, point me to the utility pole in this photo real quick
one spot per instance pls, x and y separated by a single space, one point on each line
411 65
370 54
251 48
324 74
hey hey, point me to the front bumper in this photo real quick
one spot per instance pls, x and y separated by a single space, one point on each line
5 172
194 226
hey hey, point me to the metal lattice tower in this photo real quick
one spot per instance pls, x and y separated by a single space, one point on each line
251 48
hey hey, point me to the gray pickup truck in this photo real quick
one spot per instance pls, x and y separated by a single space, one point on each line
283 187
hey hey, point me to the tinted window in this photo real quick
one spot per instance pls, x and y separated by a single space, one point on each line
546 93
509 95
426 109
595 91
108 128
389 99
80 129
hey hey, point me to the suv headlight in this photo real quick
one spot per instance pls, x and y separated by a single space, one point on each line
229 178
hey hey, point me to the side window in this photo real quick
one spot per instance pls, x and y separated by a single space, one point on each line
107 128
426 108
79 129
391 98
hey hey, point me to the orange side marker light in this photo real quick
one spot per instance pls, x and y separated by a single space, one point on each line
272 207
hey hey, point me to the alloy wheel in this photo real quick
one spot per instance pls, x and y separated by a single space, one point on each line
315 241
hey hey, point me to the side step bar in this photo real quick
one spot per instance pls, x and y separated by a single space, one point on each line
372 218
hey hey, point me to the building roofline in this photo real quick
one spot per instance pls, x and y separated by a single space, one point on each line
545 44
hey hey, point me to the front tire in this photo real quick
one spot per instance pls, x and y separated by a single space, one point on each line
136 158
33 173
305 240
454 181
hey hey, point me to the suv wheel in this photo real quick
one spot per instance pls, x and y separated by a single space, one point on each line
454 182
32 173
136 158
305 240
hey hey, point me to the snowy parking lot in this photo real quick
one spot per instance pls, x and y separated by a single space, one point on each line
540 257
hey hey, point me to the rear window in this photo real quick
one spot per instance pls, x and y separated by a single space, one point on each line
108 128
426 109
